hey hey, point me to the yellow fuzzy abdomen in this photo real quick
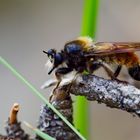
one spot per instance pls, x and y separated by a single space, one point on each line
127 59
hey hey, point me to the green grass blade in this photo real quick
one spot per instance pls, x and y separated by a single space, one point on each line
39 133
88 28
37 93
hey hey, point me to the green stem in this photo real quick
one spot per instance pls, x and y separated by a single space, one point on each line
88 28
39 132
89 20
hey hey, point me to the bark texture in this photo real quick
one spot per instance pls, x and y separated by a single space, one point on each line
114 93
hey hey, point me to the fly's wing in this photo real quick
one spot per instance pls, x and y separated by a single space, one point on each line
107 48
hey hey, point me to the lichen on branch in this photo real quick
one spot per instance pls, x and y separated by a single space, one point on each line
113 93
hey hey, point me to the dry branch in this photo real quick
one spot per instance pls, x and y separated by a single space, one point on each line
113 93
13 127
13 113
51 124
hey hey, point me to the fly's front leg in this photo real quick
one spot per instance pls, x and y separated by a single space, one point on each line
59 73
70 85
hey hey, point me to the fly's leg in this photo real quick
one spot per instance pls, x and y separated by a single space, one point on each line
108 70
98 64
59 73
93 65
117 71
112 74
70 85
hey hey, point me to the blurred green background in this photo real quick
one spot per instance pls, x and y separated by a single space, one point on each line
29 26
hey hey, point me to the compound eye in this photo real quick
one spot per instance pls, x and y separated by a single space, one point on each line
58 59
51 52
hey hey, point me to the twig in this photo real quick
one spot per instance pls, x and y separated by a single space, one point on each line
51 124
13 127
113 93
13 114
7 138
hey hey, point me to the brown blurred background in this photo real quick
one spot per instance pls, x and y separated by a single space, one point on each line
29 26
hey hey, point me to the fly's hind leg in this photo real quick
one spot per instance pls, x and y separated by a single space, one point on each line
117 71
110 72
114 75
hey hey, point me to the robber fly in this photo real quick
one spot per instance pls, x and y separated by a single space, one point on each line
82 54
